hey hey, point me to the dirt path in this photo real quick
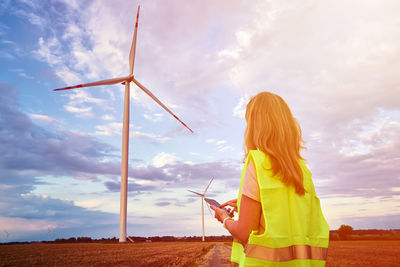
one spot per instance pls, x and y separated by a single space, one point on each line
218 256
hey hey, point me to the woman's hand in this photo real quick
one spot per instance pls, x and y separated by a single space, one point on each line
220 214
233 204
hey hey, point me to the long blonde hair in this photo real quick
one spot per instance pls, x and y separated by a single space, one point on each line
272 129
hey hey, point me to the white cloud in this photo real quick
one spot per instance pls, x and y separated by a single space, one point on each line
221 145
45 118
244 37
68 76
19 226
225 148
21 73
155 117
111 129
72 3
107 117
163 158
220 142
49 51
85 112
92 204
115 129
239 110
154 137
80 103
78 97
37 20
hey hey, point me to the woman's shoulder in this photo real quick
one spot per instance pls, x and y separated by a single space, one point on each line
258 154
260 158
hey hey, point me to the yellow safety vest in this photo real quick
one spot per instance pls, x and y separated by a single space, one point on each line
296 232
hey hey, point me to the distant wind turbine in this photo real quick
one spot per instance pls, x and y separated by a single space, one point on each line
7 235
202 206
48 233
125 131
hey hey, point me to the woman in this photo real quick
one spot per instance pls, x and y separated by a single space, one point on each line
280 219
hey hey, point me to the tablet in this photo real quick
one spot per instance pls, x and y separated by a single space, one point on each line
215 203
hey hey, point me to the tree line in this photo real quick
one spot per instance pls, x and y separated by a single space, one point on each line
346 232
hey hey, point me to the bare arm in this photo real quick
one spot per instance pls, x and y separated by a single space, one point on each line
249 219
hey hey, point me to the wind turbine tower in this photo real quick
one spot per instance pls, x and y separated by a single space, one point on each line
202 206
125 129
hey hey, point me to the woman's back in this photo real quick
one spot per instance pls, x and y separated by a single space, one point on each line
295 228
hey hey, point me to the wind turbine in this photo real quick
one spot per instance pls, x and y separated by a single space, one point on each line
202 206
48 233
7 235
125 130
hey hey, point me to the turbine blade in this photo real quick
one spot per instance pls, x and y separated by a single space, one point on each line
159 102
103 82
195 193
208 185
133 46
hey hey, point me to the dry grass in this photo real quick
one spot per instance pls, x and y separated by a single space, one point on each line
364 253
340 253
96 254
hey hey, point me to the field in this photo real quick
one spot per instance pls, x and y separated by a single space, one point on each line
97 254
340 253
364 253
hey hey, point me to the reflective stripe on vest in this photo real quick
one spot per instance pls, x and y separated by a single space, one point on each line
295 252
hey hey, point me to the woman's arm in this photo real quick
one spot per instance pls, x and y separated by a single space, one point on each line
249 219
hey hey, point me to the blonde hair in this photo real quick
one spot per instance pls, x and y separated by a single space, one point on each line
272 129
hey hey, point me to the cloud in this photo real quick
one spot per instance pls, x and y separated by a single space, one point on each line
29 147
372 222
181 174
115 129
111 129
162 159
239 110
95 41
45 118
336 68
132 187
50 51
84 112
163 203
221 145
21 73
32 215
156 117
31 152
153 137
360 159
107 118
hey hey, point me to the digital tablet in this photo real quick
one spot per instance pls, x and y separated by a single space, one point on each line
215 203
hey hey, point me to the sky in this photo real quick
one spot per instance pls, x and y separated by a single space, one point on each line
334 62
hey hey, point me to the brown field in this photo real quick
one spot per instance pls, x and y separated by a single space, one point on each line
97 254
364 253
340 253
382 253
